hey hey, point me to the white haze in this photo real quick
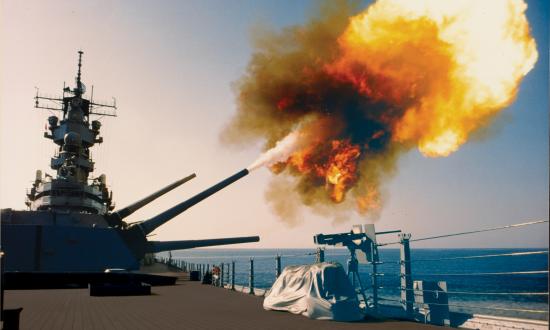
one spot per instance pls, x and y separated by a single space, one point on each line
282 150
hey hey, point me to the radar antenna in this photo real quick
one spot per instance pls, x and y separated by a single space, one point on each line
79 89
60 103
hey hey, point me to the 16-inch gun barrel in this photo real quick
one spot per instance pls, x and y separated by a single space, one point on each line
124 212
155 246
150 225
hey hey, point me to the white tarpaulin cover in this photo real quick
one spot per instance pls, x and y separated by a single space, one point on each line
320 291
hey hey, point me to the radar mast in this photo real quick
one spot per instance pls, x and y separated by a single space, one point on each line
74 133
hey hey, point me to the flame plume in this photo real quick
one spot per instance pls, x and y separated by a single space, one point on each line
346 93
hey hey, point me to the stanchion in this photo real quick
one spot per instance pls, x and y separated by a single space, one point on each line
222 274
227 274
277 266
251 277
374 283
407 295
1 285
320 255
233 275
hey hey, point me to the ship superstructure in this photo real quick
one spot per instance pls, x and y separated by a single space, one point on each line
70 225
75 133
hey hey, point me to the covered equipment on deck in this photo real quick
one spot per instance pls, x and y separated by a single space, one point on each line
319 291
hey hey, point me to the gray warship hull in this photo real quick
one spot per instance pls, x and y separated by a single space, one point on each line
44 241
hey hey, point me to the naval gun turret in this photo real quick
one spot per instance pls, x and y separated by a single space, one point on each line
71 224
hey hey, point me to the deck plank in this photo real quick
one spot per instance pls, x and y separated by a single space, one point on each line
188 305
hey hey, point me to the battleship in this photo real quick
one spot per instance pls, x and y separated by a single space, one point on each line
71 224
71 227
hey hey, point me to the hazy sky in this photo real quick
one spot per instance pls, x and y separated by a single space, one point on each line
171 64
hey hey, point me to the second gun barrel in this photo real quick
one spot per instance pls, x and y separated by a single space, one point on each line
148 226
124 212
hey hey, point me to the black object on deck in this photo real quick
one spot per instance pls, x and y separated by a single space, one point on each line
120 289
194 275
32 280
11 318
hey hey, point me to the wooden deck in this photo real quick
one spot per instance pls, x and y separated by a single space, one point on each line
187 305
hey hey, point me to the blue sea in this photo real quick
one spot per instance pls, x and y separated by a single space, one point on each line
480 294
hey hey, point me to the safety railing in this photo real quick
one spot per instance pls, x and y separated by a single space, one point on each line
408 297
391 280
227 272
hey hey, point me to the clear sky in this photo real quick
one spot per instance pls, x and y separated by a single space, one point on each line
171 65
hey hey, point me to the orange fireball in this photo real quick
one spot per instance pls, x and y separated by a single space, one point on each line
353 90
450 64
